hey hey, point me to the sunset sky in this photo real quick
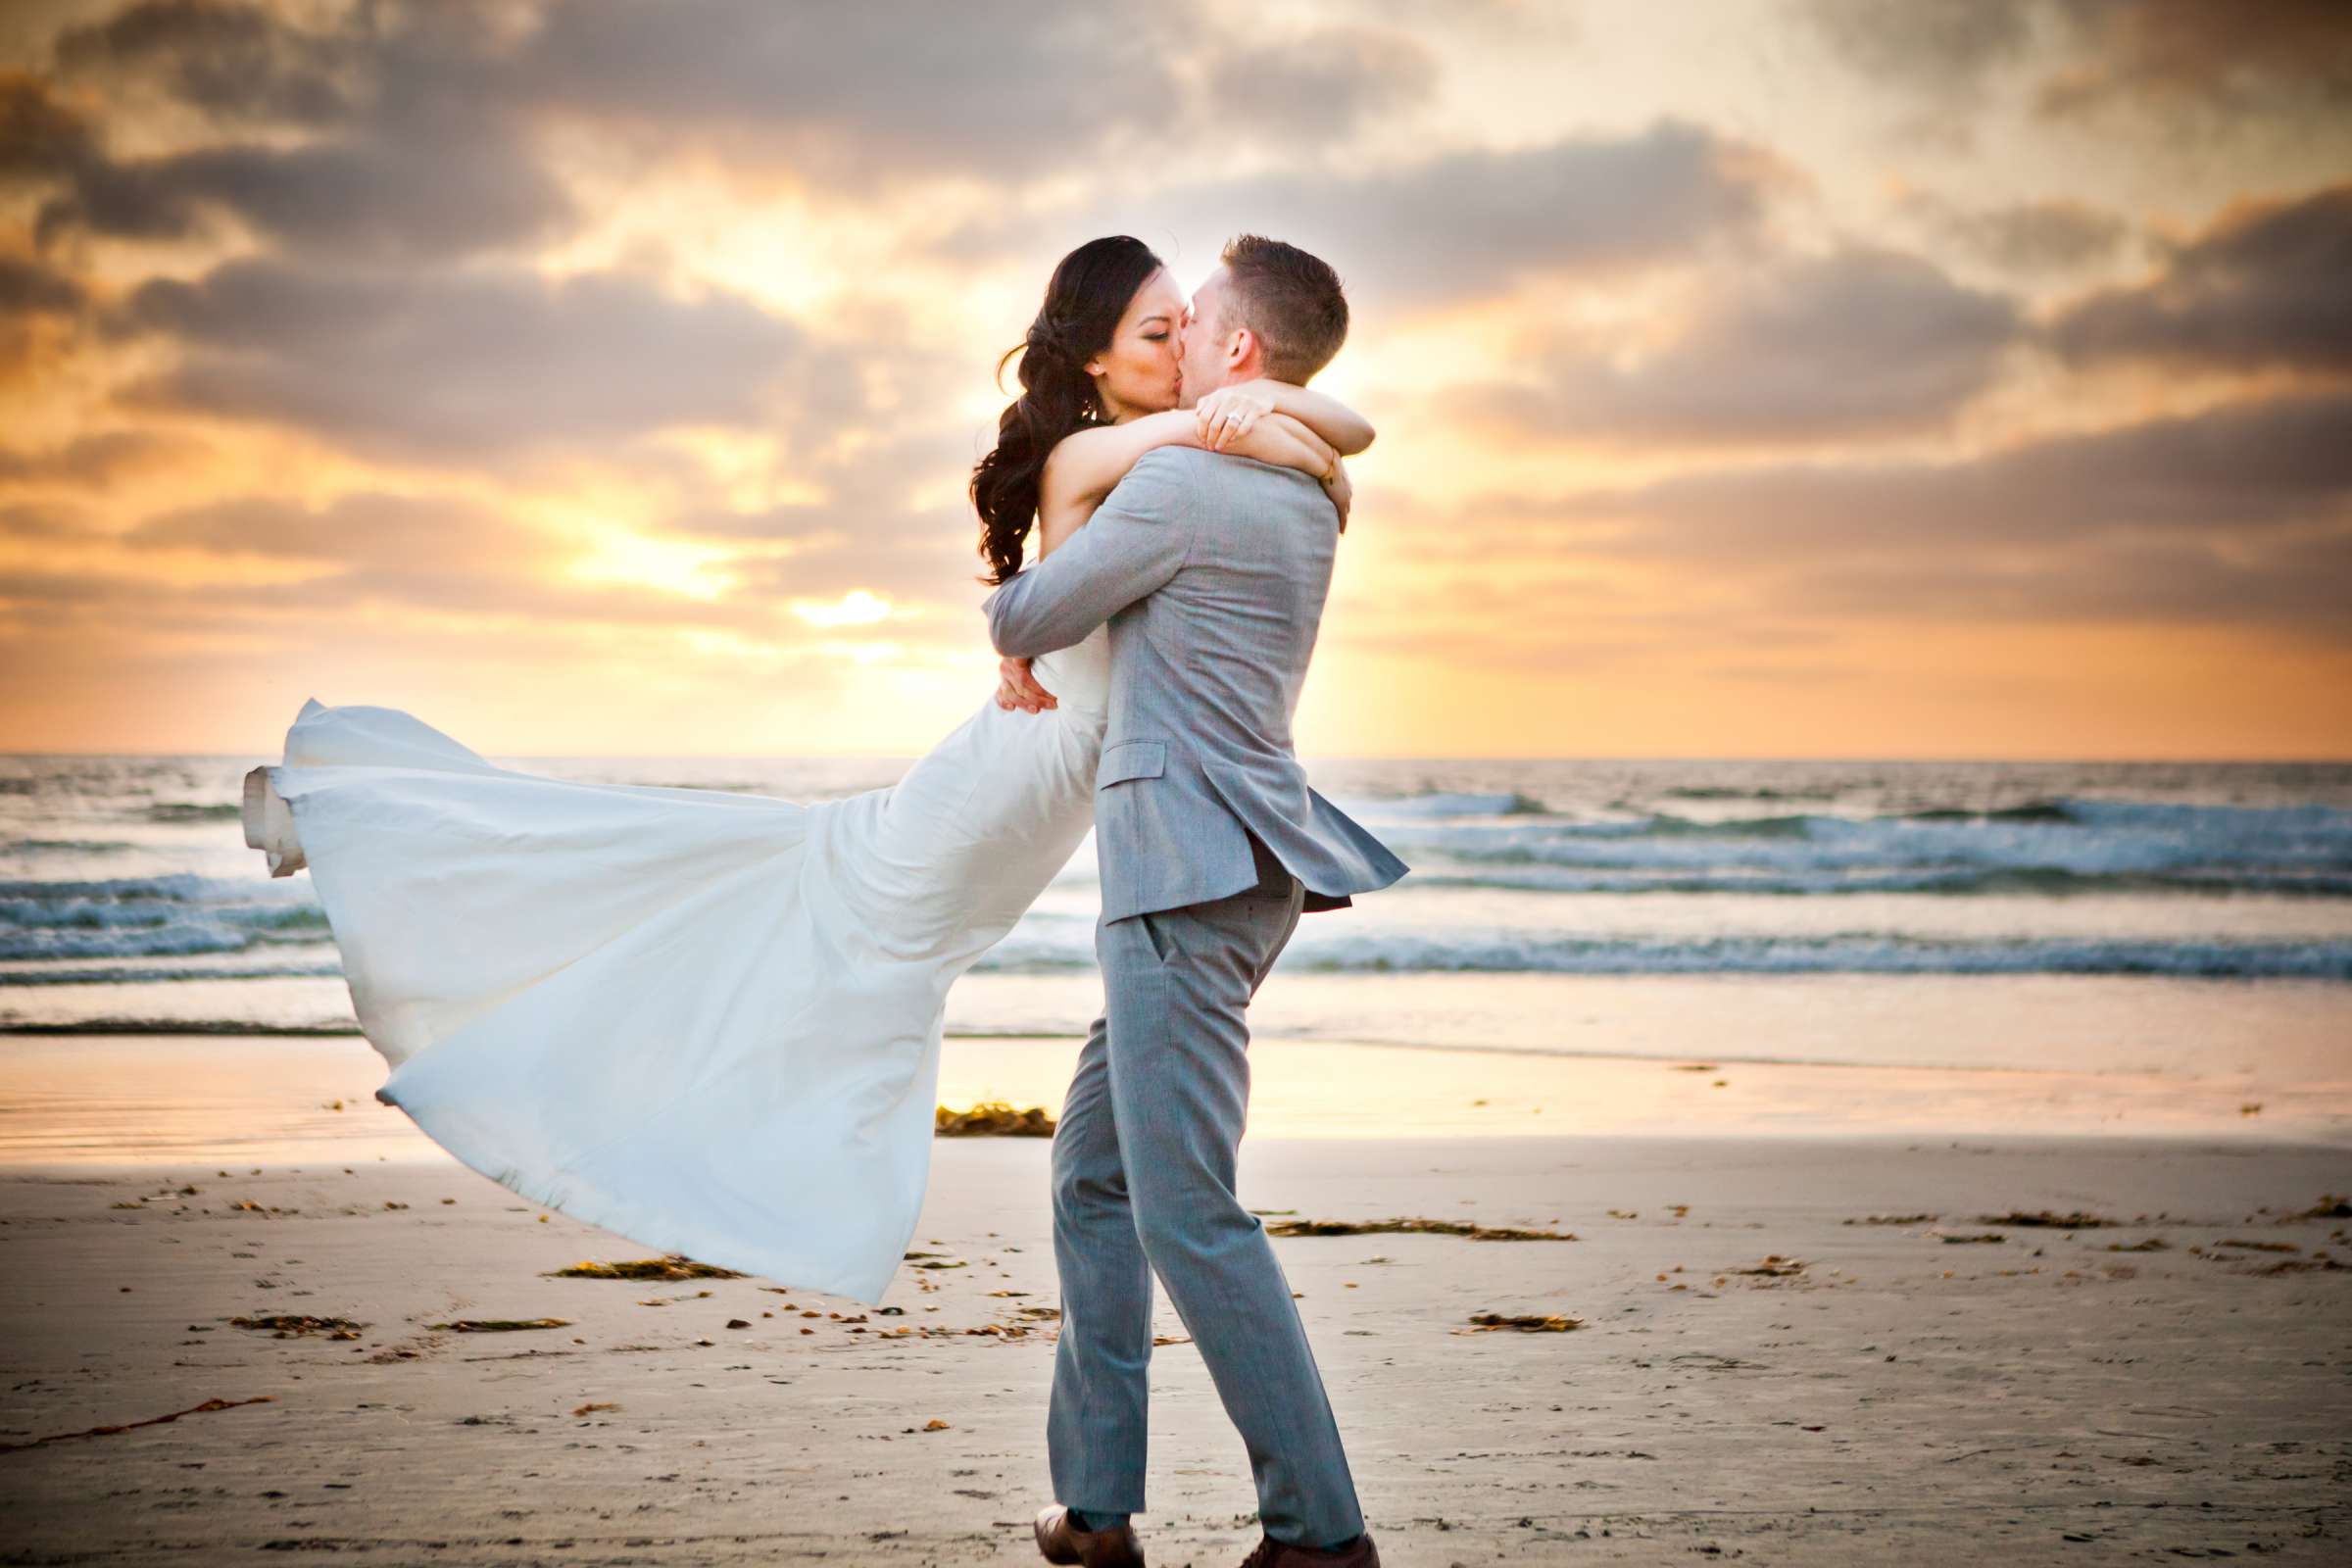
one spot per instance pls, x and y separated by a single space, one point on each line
1788 378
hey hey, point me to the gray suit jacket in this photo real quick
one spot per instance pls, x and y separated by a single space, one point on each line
1213 571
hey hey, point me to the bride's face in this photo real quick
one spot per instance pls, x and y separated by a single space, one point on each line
1141 370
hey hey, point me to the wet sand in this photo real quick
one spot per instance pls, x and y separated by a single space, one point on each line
284 1100
1876 1393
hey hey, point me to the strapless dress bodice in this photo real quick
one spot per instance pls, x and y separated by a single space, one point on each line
1079 676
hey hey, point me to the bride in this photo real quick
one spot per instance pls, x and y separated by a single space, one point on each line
709 1021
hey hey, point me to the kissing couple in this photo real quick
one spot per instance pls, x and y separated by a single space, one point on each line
710 1021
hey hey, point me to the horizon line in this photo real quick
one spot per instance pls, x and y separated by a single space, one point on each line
2150 759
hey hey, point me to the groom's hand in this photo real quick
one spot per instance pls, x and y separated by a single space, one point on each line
1016 689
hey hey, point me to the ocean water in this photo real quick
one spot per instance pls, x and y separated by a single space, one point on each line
2192 919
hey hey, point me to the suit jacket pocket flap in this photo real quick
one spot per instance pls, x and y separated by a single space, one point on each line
1134 759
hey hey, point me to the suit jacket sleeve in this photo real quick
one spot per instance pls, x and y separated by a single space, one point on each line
1135 542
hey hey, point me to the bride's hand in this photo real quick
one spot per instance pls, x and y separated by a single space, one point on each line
1226 415
1342 493
1016 689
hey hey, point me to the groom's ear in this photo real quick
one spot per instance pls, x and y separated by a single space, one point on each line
1242 347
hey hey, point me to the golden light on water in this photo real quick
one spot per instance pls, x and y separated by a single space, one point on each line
101 1100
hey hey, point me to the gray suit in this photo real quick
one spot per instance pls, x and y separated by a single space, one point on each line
1213 571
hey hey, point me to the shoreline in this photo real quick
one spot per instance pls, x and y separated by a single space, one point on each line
166 1028
284 1099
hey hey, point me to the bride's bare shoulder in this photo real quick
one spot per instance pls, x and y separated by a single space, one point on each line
1060 516
1087 465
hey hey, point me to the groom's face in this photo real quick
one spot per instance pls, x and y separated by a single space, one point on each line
1204 340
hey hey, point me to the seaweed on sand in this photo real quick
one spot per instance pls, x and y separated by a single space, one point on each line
1414 1227
993 1118
501 1325
645 1268
294 1326
1523 1323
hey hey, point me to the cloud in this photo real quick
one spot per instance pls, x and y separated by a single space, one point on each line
2257 468
238 63
316 611
359 527
37 596
853 97
1320 85
886 89
40 310
868 531
1002 92
40 139
409 192
38 134
29 288
435 553
447 187
1469 223
467 367
2266 284
349 142
2274 56
2027 236
37 305
456 555
1860 341
2302 582
907 554
1944 47
95 459
402 154
425 131
30 522
2238 515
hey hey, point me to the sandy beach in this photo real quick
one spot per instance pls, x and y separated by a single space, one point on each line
1793 1349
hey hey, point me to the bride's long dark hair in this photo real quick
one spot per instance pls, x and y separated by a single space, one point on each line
1089 292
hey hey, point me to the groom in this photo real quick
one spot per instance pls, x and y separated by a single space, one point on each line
1211 572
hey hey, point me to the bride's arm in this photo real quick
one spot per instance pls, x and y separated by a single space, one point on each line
1088 464
1243 402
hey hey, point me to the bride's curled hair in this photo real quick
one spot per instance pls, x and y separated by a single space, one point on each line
1083 300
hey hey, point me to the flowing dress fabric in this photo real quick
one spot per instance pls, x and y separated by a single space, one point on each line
706 1021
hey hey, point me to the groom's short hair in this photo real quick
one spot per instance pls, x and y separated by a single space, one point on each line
1292 301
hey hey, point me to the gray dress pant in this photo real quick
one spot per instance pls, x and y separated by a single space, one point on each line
1143 1163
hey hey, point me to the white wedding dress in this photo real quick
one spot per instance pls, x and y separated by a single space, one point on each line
706 1021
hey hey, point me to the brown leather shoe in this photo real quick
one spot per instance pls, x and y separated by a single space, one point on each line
1272 1553
1064 1542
